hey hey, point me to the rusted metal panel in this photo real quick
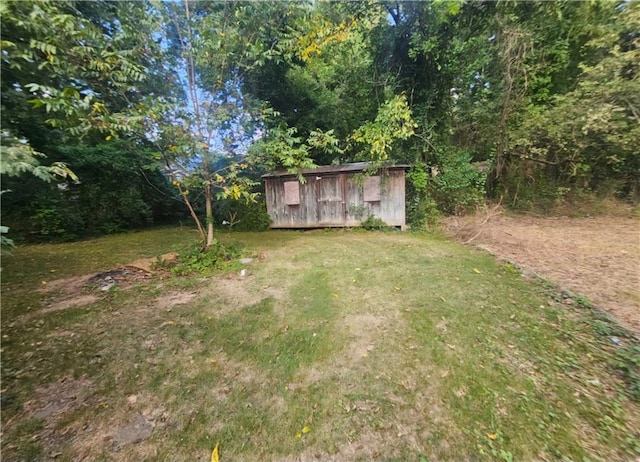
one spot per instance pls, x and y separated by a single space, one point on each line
331 196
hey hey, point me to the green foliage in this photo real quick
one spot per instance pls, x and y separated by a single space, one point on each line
198 259
69 70
51 222
63 215
18 157
203 136
373 223
6 244
241 215
527 188
79 63
628 362
322 78
283 149
393 122
577 134
457 186
120 187
422 210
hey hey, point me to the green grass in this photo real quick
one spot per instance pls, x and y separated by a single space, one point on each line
31 264
342 345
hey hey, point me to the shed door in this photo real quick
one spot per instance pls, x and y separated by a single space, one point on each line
330 200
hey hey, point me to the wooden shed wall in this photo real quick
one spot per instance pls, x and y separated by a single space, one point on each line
335 200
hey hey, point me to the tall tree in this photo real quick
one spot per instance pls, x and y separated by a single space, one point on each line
585 138
324 78
80 61
202 138
67 69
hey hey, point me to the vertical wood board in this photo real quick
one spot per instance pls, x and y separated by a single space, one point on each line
335 199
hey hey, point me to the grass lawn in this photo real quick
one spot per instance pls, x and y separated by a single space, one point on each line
341 345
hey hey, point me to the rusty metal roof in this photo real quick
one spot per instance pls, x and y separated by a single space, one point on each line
353 167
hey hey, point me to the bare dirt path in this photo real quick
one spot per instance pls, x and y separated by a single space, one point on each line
597 257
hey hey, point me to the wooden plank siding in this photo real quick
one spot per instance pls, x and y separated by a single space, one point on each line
332 197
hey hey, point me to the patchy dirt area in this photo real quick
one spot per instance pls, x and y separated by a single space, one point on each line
597 257
84 290
54 403
55 399
333 346
172 299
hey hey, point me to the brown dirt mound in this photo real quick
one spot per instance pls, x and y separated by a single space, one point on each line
598 257
84 290
118 276
77 291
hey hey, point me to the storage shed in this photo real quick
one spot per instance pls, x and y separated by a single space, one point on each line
333 196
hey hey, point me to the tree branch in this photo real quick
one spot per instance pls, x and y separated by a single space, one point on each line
534 159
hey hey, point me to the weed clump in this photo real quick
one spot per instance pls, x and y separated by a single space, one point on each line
374 223
628 363
196 259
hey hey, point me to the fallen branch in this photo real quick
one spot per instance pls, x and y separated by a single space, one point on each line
488 216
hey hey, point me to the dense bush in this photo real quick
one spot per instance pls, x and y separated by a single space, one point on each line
195 259
450 185
422 210
120 187
458 186
241 215
373 223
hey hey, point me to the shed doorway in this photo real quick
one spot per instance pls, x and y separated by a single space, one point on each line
331 207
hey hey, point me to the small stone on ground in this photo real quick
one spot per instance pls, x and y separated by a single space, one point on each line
136 431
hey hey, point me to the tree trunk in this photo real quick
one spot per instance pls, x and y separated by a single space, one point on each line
209 214
192 213
514 45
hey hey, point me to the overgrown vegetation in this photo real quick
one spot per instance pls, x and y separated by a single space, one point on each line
628 362
374 223
121 188
241 215
457 186
193 259
542 95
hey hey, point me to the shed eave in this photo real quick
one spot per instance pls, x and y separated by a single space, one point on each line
331 169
